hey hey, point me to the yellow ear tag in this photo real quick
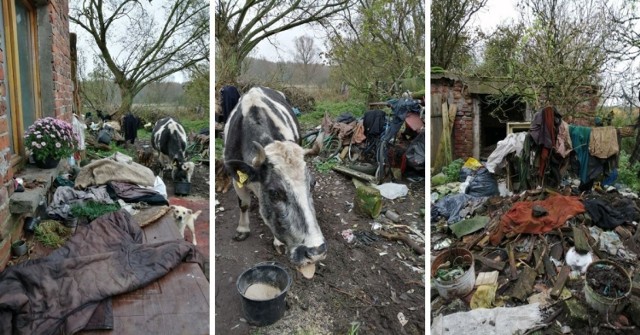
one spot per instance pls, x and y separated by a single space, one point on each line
242 177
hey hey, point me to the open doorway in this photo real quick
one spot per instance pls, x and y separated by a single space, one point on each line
495 112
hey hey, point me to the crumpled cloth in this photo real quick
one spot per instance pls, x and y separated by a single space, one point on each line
580 139
118 167
512 143
71 288
519 218
66 196
563 144
603 142
603 214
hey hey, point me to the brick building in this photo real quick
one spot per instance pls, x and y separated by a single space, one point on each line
481 120
35 82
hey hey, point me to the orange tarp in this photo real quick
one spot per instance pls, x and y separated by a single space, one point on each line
519 218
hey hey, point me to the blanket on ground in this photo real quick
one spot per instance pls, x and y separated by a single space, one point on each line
71 288
114 168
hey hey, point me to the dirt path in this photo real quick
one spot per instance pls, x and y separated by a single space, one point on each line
358 284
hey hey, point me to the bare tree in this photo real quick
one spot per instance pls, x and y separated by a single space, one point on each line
450 35
241 25
377 44
306 54
150 50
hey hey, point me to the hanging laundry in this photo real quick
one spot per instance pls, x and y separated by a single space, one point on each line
512 143
603 142
580 139
563 145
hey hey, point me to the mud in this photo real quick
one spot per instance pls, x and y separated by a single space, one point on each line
368 283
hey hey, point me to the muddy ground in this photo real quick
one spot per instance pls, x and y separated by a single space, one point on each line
357 285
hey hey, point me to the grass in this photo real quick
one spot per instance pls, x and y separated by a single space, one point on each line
194 126
52 233
219 148
325 166
335 108
93 210
354 328
628 175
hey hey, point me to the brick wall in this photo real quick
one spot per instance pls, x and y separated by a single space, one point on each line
462 140
5 172
58 17
61 65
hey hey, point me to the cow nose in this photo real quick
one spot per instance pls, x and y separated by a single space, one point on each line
316 251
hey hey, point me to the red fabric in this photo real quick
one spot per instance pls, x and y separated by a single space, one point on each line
519 218
548 119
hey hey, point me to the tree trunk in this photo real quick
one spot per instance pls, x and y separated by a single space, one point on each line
229 64
126 95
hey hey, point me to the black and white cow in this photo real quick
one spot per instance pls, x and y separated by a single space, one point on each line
170 141
263 155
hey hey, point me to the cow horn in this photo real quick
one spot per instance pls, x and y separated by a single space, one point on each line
260 157
317 145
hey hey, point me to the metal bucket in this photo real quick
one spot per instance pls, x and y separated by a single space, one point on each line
263 312
460 286
601 303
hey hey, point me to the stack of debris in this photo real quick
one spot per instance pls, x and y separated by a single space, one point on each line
544 260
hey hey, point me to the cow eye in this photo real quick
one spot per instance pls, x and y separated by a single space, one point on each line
276 195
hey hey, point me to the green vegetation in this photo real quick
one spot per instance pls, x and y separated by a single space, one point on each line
325 166
93 210
627 174
354 328
194 125
52 233
143 134
219 149
334 108
93 152
452 171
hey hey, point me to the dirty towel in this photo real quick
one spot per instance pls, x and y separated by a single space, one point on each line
133 193
72 287
603 142
519 218
65 197
563 145
495 321
512 143
580 139
117 167
603 214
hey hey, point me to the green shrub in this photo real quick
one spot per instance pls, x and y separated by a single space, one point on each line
627 174
52 234
93 210
334 108
452 171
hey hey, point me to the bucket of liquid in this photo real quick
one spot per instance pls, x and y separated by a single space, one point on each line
263 288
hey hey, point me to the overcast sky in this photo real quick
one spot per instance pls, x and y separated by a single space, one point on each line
281 46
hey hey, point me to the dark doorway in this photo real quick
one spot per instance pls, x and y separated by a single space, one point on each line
495 112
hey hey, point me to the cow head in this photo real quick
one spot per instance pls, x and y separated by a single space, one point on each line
280 178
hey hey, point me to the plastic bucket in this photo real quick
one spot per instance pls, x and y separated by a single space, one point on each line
19 248
182 188
261 311
460 286
599 302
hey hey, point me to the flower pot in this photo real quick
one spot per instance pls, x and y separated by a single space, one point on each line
19 248
47 163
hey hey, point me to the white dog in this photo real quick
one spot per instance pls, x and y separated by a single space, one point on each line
185 217
189 167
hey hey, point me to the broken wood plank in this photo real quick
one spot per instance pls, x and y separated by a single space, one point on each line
580 241
537 256
404 238
523 287
354 173
559 285
513 274
549 268
497 265
474 241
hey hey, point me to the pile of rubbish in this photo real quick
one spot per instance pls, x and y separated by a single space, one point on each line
559 259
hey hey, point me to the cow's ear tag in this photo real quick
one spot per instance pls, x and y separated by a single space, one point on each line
242 177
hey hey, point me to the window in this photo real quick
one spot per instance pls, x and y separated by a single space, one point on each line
19 24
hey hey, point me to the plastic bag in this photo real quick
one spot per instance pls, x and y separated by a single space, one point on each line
416 153
464 173
472 164
392 190
483 184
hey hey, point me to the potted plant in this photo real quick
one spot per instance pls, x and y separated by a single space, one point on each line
50 140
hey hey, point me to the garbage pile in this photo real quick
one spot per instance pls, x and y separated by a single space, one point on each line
544 260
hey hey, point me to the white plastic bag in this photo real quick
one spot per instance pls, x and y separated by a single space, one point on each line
160 187
392 190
